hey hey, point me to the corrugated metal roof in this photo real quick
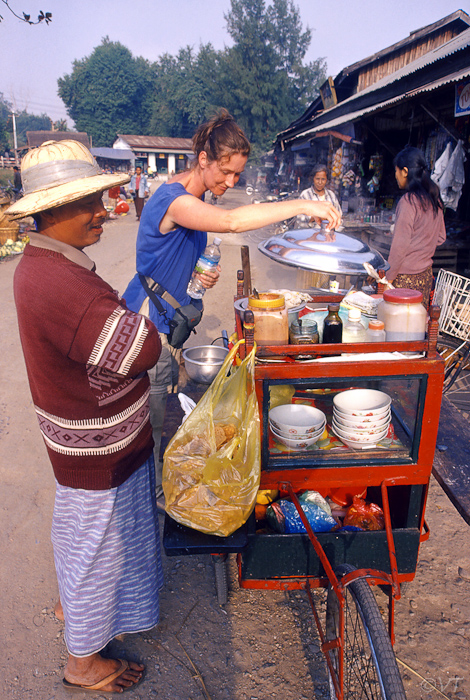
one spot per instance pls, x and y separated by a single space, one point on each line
164 142
353 116
113 153
413 36
450 47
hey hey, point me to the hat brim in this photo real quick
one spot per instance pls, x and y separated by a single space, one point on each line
53 197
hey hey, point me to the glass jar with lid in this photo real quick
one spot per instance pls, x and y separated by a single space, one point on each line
271 319
303 332
403 314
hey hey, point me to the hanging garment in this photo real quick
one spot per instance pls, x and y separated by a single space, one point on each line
441 163
453 178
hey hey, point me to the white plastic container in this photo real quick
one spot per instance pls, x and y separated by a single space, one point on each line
376 332
403 314
353 330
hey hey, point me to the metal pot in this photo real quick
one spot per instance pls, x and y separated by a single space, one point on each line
203 362
312 249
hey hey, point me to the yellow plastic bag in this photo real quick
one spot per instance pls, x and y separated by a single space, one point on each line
211 467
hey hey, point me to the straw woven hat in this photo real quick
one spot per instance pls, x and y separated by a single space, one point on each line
56 173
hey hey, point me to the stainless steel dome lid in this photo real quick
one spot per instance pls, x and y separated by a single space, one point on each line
330 252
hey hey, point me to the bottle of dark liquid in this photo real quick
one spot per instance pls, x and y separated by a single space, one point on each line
333 326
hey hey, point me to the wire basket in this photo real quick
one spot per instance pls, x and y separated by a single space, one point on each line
452 294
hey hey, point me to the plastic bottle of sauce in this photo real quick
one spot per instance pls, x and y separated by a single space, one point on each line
403 314
271 319
376 332
354 331
332 325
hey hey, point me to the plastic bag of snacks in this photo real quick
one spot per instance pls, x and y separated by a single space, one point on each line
284 517
367 516
211 467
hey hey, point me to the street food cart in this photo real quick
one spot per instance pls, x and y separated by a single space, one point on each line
393 474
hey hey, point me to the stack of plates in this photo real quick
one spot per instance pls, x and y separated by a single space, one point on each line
297 426
361 417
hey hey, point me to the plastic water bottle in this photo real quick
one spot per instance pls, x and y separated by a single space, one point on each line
376 332
353 330
208 261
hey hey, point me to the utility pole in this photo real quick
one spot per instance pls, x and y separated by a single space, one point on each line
15 142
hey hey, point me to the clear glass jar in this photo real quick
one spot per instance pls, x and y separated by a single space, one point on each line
303 332
403 314
271 319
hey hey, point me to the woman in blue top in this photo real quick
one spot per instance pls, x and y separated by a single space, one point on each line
172 235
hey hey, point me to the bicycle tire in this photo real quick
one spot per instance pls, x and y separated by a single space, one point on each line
457 371
221 578
370 666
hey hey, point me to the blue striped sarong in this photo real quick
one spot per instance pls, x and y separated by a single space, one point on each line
108 561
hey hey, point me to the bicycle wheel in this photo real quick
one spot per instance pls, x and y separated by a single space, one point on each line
370 667
457 371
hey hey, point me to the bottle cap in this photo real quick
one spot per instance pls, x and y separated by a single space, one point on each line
403 296
267 301
333 307
217 241
376 325
354 314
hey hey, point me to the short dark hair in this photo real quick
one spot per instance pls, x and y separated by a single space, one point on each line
320 168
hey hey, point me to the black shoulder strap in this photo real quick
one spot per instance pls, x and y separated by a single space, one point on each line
151 294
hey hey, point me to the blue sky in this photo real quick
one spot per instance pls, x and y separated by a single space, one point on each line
34 57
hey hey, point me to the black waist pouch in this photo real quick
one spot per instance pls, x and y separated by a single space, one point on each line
184 320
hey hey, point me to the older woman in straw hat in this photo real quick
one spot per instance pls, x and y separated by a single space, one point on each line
86 357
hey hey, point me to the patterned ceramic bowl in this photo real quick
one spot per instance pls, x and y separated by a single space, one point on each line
296 418
362 402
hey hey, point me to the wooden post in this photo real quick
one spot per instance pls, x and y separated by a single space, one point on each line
249 329
245 252
433 330
240 284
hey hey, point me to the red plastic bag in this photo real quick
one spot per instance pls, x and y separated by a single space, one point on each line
122 207
367 516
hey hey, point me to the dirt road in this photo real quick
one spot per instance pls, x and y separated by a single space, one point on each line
262 645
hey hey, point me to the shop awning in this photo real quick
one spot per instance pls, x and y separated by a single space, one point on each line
355 115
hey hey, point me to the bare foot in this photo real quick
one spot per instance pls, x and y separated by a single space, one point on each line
59 611
90 670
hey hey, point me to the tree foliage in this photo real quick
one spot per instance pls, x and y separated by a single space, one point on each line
109 92
5 111
261 79
186 91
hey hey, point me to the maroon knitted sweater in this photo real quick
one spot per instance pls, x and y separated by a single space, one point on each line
86 356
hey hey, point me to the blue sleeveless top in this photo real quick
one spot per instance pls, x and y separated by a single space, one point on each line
168 259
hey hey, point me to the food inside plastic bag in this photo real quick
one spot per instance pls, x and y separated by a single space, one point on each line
283 517
211 467
317 498
280 394
367 516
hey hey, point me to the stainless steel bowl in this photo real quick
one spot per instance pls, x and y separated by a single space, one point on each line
203 362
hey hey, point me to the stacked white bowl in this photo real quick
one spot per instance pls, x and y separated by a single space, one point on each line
296 426
361 417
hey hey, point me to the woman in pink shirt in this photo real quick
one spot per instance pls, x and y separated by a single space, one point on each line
419 225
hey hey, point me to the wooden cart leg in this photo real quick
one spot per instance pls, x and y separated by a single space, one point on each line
221 577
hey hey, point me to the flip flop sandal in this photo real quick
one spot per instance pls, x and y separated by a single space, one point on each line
97 686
